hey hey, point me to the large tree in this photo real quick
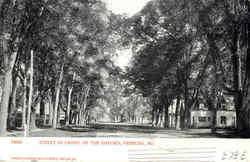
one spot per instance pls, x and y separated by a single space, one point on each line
197 46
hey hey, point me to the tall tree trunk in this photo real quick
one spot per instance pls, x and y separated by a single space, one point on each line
83 110
75 118
7 86
79 118
153 116
214 120
50 110
24 121
12 107
69 102
13 95
9 61
32 120
185 115
172 118
41 109
236 61
246 99
177 114
68 106
246 90
159 124
238 83
45 112
86 117
5 102
30 93
182 115
157 116
166 117
58 89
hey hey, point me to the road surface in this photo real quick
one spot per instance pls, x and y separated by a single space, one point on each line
124 130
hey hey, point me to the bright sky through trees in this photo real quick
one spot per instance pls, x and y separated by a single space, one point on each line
123 58
128 7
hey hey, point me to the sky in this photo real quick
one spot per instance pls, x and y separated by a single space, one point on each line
128 7
123 58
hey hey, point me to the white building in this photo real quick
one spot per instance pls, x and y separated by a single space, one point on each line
201 117
204 118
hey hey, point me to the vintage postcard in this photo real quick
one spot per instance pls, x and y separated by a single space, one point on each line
124 80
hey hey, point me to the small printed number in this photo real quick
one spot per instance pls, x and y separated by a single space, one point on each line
234 155
243 155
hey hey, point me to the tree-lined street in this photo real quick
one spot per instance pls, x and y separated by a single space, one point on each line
188 66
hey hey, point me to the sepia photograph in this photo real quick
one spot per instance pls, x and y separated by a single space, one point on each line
125 68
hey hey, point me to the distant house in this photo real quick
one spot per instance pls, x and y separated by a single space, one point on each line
204 118
226 115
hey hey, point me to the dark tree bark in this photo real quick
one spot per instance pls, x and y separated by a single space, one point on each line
166 117
237 77
153 115
214 120
9 61
177 114
12 105
246 88
50 109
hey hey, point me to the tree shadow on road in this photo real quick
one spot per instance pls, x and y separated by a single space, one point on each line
110 128
220 134
132 130
76 129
